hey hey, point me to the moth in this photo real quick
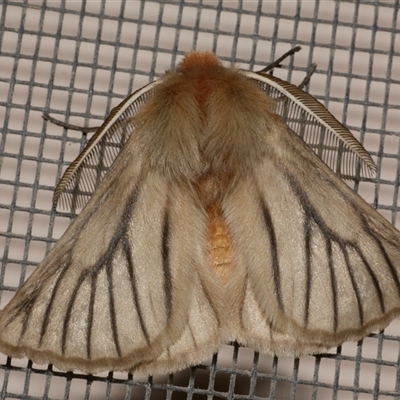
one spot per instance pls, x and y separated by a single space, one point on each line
215 222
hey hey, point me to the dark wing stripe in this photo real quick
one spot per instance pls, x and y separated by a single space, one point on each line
111 305
353 282
90 317
193 337
49 307
389 263
330 236
274 252
68 313
375 280
67 264
165 248
308 262
333 284
103 261
135 297
368 231
106 260
24 308
242 303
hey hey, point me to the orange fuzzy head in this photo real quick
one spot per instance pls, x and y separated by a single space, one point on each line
196 60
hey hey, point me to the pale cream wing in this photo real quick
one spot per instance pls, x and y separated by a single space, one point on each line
321 265
205 329
123 283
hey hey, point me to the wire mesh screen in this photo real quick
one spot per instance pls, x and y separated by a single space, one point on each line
78 59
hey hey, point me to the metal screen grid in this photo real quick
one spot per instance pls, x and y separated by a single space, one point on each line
77 60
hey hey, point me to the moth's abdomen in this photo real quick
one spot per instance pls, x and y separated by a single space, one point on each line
219 243
211 189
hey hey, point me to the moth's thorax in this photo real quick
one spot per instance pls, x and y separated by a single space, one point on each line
204 72
203 87
211 186
205 118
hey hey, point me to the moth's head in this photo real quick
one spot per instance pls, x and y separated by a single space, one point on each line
196 60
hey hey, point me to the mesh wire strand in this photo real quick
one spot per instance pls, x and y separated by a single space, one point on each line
76 60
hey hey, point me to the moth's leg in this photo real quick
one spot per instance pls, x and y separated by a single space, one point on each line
310 71
277 63
82 129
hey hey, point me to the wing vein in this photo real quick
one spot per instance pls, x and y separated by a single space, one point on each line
274 251
375 280
165 248
93 287
353 281
389 263
333 284
68 313
49 307
111 305
308 255
134 290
